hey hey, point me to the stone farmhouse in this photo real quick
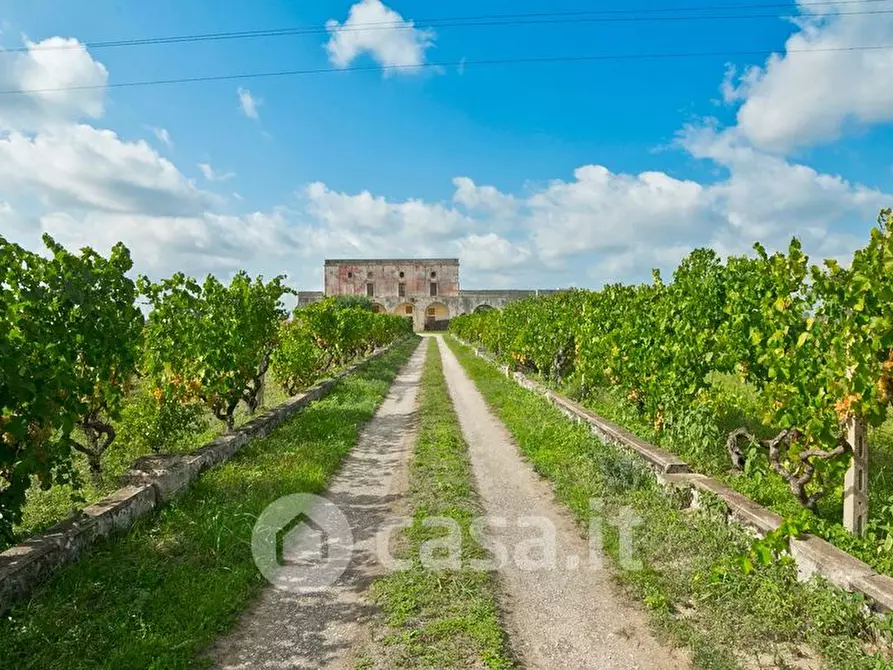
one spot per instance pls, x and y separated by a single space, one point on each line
427 290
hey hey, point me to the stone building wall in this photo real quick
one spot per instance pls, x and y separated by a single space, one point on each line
404 286
384 278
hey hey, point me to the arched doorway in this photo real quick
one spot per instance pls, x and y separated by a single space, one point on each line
405 309
437 316
378 307
483 308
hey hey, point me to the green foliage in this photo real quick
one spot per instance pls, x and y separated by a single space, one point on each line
160 425
297 361
728 619
158 596
69 337
211 341
330 333
439 618
815 343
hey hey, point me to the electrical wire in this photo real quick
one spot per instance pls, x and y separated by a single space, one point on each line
485 20
464 63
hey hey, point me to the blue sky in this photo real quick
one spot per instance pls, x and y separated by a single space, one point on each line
533 174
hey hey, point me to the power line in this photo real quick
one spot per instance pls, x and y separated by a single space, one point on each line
532 60
486 20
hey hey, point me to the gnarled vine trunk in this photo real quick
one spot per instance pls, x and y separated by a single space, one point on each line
798 472
252 394
99 435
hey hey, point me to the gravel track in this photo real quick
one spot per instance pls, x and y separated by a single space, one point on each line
322 630
566 616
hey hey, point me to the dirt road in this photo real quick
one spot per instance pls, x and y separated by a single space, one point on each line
558 614
321 630
567 615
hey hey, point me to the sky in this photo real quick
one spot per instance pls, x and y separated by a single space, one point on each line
545 145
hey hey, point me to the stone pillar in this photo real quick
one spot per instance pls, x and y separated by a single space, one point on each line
855 483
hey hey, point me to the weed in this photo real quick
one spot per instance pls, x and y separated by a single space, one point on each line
449 618
157 596
722 616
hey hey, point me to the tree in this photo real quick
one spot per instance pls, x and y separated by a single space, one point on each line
69 333
212 341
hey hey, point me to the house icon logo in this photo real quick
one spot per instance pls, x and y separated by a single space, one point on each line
302 543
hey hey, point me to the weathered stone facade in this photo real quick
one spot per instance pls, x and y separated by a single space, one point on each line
424 289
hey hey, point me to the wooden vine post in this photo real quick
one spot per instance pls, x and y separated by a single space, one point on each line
855 483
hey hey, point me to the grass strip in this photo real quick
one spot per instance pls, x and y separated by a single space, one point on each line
159 595
438 618
688 579
46 507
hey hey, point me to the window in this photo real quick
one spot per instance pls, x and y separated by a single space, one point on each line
401 289
433 274
402 274
370 289
350 275
432 312
433 288
409 309
369 275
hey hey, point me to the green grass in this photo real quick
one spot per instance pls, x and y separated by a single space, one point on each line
698 437
157 596
688 582
439 619
47 507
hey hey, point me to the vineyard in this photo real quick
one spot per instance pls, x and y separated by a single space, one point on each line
753 369
96 368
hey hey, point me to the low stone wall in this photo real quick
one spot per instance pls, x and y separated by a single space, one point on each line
152 481
813 555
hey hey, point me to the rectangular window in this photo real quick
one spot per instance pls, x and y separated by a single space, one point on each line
409 309
401 289
433 288
370 289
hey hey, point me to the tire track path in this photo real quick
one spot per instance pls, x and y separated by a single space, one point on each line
567 616
322 630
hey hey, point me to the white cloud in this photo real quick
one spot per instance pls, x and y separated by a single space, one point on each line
248 103
263 243
606 212
212 175
801 99
50 76
78 166
605 226
163 136
483 198
491 252
375 29
767 198
363 215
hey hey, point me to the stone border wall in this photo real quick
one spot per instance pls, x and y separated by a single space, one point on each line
151 482
813 555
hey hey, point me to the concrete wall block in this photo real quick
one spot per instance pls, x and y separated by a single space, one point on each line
151 481
25 566
169 474
221 449
121 508
877 587
815 556
742 509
